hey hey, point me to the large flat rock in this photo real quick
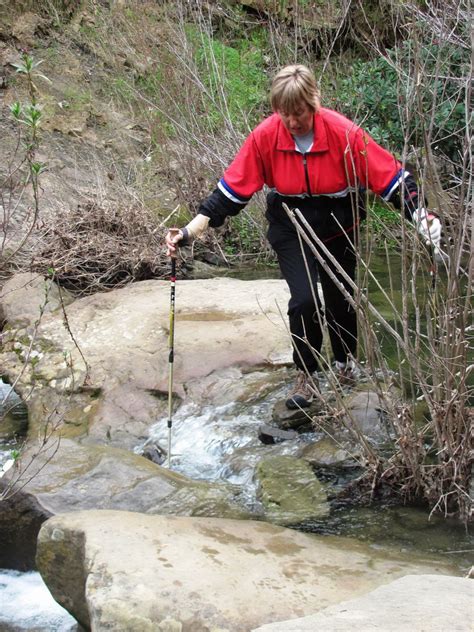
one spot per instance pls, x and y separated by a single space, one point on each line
415 603
220 322
128 571
109 360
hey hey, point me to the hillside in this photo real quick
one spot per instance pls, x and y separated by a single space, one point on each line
143 104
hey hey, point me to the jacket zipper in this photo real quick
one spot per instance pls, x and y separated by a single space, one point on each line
306 175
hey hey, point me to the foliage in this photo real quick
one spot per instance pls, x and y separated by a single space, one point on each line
242 237
381 219
382 92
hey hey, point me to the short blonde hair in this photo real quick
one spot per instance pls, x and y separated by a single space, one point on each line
292 85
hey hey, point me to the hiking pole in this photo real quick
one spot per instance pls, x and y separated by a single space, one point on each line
174 232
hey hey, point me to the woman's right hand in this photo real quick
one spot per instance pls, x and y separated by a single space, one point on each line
172 238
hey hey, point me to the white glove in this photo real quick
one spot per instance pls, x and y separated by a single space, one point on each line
429 227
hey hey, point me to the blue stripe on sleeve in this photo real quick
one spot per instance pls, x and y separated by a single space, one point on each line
393 184
230 193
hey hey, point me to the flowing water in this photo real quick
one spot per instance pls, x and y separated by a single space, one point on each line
216 443
222 444
14 415
27 604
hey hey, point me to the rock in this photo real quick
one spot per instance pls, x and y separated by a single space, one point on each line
415 603
365 413
26 296
123 337
327 452
128 571
154 453
289 491
295 419
21 518
236 384
64 476
269 434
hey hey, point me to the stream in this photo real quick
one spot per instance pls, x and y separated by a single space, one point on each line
221 443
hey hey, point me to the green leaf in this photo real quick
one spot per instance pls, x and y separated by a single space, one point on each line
37 168
16 109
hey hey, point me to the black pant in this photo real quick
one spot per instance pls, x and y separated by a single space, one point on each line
305 325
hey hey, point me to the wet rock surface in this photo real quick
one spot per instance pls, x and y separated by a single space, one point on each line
329 452
271 434
299 419
154 453
289 491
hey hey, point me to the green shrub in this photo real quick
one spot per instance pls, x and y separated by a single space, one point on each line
243 236
408 91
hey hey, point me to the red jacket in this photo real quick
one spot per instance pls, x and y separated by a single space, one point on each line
342 160
342 156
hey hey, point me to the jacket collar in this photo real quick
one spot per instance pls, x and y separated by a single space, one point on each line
285 141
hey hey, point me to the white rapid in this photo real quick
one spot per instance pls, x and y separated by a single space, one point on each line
27 604
221 442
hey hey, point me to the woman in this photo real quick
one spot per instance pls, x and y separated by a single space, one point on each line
318 161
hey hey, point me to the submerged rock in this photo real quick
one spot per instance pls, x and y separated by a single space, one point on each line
154 453
270 434
327 452
299 419
289 491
